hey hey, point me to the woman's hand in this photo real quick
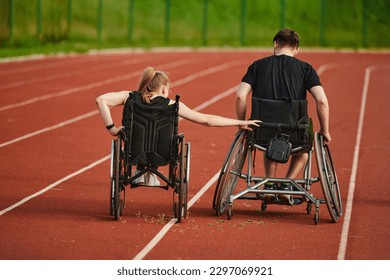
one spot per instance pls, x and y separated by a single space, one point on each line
115 130
246 125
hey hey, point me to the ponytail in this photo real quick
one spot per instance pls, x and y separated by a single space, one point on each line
151 81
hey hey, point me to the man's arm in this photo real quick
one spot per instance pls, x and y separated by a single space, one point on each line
319 96
242 93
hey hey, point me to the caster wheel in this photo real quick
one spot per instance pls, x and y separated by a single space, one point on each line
316 218
309 208
230 213
263 206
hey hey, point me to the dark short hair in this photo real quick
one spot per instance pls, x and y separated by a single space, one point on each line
287 37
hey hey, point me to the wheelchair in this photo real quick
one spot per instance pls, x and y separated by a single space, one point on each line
150 138
243 150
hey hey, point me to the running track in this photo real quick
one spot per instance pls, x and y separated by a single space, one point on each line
54 163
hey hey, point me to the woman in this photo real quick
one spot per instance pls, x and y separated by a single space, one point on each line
154 88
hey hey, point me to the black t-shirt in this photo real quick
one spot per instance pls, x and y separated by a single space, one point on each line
271 77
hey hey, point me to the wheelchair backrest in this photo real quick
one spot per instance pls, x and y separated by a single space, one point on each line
291 115
150 131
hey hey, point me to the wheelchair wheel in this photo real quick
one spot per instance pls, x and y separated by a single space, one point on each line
186 180
112 167
181 191
238 135
230 173
117 188
328 178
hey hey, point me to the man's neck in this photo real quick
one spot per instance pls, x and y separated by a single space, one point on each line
285 51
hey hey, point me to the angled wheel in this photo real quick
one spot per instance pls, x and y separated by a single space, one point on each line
112 177
328 178
117 180
186 181
230 172
238 135
182 182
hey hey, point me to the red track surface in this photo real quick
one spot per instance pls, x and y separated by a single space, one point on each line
70 218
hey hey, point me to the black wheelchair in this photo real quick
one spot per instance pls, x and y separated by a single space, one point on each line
244 147
150 138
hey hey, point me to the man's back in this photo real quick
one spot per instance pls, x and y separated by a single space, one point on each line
274 76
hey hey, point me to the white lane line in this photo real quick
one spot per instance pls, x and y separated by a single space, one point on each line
93 164
66 178
206 72
166 228
216 98
355 163
62 74
70 60
185 80
60 62
46 129
172 222
190 78
87 87
69 91
344 64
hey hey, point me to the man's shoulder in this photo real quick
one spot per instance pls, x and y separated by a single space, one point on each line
266 58
303 62
263 60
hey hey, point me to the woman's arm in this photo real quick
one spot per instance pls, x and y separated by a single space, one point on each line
213 120
110 99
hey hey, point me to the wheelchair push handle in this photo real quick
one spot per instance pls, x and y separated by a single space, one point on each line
281 125
121 133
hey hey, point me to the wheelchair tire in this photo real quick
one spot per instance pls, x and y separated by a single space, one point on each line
180 204
112 172
118 195
237 136
186 180
230 172
328 178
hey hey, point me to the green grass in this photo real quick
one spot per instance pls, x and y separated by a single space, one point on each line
352 24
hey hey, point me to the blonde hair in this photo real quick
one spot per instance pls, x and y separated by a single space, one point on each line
152 80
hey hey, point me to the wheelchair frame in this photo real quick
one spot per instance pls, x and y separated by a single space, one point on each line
243 148
178 178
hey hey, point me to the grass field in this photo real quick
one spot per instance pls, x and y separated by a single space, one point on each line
47 26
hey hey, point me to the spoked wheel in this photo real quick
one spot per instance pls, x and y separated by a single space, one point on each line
117 188
230 173
238 135
182 179
328 178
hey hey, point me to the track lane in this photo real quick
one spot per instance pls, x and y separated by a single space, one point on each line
208 246
368 230
215 229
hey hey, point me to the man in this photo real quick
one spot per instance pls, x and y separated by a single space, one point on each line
282 77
